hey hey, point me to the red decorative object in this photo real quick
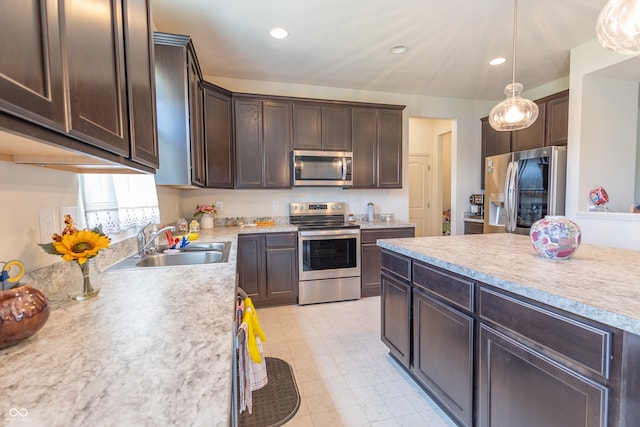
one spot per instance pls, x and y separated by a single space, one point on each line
599 196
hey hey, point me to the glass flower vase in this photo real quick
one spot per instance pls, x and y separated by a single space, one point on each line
90 282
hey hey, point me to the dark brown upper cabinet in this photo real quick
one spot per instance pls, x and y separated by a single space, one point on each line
377 147
262 142
494 142
321 126
307 126
31 76
218 143
97 80
557 126
179 109
533 136
81 82
138 39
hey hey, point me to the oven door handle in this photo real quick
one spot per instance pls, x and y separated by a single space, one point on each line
346 234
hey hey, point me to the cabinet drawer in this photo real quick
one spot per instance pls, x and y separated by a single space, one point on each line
370 236
280 240
453 289
398 264
473 227
585 344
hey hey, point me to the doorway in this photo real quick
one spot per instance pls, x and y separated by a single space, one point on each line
420 183
430 176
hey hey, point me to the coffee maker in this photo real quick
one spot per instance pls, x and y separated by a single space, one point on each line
476 205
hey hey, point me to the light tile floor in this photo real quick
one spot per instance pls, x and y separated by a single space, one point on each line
343 371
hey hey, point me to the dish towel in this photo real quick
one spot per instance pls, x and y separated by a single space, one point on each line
254 332
253 375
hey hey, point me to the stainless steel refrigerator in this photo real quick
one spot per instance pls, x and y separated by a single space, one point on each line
522 187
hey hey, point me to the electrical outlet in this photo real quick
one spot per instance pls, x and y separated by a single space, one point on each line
69 210
219 206
276 205
48 224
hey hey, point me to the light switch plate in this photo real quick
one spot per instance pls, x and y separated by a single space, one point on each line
48 224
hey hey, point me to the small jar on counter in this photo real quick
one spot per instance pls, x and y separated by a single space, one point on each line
182 226
351 218
194 226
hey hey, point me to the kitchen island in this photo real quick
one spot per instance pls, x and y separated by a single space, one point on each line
501 336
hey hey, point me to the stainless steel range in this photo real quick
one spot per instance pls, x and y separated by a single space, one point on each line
328 252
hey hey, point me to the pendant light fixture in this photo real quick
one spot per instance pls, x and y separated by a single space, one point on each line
514 112
618 26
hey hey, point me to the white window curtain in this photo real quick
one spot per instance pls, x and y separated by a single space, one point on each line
118 202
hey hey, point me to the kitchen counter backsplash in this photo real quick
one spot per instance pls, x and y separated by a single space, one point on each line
234 221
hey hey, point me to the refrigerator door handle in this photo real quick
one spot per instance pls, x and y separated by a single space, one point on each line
507 197
510 196
514 196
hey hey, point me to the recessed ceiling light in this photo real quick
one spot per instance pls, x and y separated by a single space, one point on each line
497 61
398 49
279 33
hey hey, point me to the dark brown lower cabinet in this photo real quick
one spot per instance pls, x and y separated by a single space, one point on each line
249 265
281 258
267 266
395 315
443 354
519 386
491 358
370 256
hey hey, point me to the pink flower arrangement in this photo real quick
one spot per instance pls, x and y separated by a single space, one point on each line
205 209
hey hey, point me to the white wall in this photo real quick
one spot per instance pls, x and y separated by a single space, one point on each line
608 140
600 146
23 191
170 204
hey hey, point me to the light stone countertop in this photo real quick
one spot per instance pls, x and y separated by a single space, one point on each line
476 220
597 282
278 228
154 348
366 225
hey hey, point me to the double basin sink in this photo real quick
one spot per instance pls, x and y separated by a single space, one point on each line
193 254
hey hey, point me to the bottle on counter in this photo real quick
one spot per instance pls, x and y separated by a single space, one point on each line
370 212
194 230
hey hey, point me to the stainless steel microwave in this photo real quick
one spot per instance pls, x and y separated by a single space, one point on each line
322 168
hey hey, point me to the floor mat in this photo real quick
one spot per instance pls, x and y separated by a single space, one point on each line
277 402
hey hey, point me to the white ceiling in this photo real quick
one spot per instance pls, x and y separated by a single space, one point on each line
345 43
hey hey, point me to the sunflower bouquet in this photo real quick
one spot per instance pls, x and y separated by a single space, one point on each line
79 246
